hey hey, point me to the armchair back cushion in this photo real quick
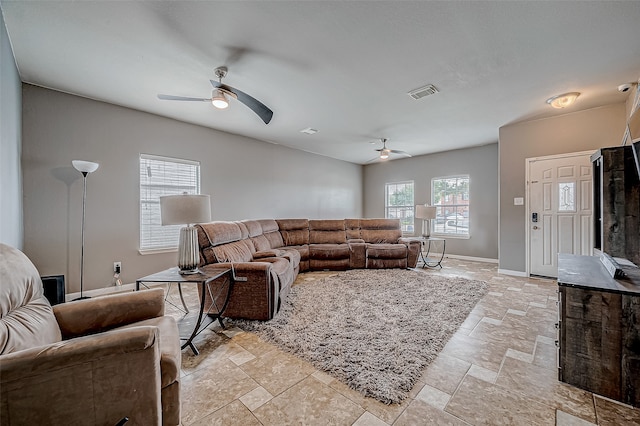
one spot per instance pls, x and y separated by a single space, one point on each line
26 317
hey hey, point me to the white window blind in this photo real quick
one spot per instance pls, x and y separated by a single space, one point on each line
163 176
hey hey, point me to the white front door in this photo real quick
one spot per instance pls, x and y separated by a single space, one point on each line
560 210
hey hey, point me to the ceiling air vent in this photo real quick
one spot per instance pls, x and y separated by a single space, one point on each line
423 91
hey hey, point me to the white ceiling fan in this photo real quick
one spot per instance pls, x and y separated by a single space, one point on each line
220 94
385 152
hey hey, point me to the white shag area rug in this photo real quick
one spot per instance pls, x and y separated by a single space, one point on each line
375 330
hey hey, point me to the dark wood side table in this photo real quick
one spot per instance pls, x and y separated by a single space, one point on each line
223 280
599 328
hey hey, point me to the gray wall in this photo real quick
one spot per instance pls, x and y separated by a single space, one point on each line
480 163
11 230
580 131
246 179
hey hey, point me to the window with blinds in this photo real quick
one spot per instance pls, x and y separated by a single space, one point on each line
163 176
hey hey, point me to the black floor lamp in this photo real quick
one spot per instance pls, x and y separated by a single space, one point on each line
84 167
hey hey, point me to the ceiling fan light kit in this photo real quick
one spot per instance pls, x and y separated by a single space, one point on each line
564 100
219 100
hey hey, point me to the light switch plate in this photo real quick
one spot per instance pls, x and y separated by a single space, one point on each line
518 201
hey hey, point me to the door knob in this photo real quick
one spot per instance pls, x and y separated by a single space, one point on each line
535 227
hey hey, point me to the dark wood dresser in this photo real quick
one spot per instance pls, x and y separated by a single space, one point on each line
599 328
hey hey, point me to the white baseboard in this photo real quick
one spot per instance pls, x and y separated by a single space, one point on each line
469 258
100 291
510 272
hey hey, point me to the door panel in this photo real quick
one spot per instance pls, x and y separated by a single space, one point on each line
560 192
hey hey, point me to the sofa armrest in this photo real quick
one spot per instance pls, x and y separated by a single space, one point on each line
97 379
268 253
255 291
89 316
414 247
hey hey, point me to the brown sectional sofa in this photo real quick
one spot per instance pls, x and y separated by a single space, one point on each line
267 255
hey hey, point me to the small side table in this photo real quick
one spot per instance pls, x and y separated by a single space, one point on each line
432 262
204 279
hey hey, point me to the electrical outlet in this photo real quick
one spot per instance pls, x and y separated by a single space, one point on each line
117 267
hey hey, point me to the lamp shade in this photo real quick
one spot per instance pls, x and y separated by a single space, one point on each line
85 166
424 211
185 209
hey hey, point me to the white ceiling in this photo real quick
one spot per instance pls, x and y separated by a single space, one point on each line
343 68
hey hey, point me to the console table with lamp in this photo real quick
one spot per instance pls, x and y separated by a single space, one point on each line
187 209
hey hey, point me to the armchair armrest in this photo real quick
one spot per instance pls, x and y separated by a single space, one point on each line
89 316
95 379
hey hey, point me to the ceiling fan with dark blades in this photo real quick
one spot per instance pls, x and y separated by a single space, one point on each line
220 94
385 152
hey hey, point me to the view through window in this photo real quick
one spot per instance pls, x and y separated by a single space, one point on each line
163 176
399 204
450 196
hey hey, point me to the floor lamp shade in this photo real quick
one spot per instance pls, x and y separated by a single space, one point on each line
84 167
426 213
186 209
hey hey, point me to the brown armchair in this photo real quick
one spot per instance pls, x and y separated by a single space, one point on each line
93 361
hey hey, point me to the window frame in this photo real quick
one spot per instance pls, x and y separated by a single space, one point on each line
149 220
462 201
408 220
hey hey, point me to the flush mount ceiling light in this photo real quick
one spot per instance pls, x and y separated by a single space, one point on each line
220 100
564 100
309 131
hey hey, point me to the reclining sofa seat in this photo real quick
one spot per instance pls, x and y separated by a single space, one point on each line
266 255
93 361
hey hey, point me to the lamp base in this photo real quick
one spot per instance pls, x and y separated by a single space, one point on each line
188 254
82 298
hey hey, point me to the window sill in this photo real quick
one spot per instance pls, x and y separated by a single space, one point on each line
452 236
145 252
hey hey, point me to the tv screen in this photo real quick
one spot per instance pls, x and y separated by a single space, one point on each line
636 154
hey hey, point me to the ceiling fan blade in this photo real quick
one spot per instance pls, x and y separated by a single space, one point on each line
395 151
255 105
181 98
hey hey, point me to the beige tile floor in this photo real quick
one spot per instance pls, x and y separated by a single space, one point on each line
498 369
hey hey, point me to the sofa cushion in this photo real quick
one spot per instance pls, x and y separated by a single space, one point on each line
294 232
380 230
352 227
253 226
236 251
329 251
327 232
261 243
216 233
386 251
26 317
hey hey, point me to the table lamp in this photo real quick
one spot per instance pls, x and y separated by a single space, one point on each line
186 209
426 213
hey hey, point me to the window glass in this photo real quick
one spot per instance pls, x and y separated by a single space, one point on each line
399 204
450 196
163 176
